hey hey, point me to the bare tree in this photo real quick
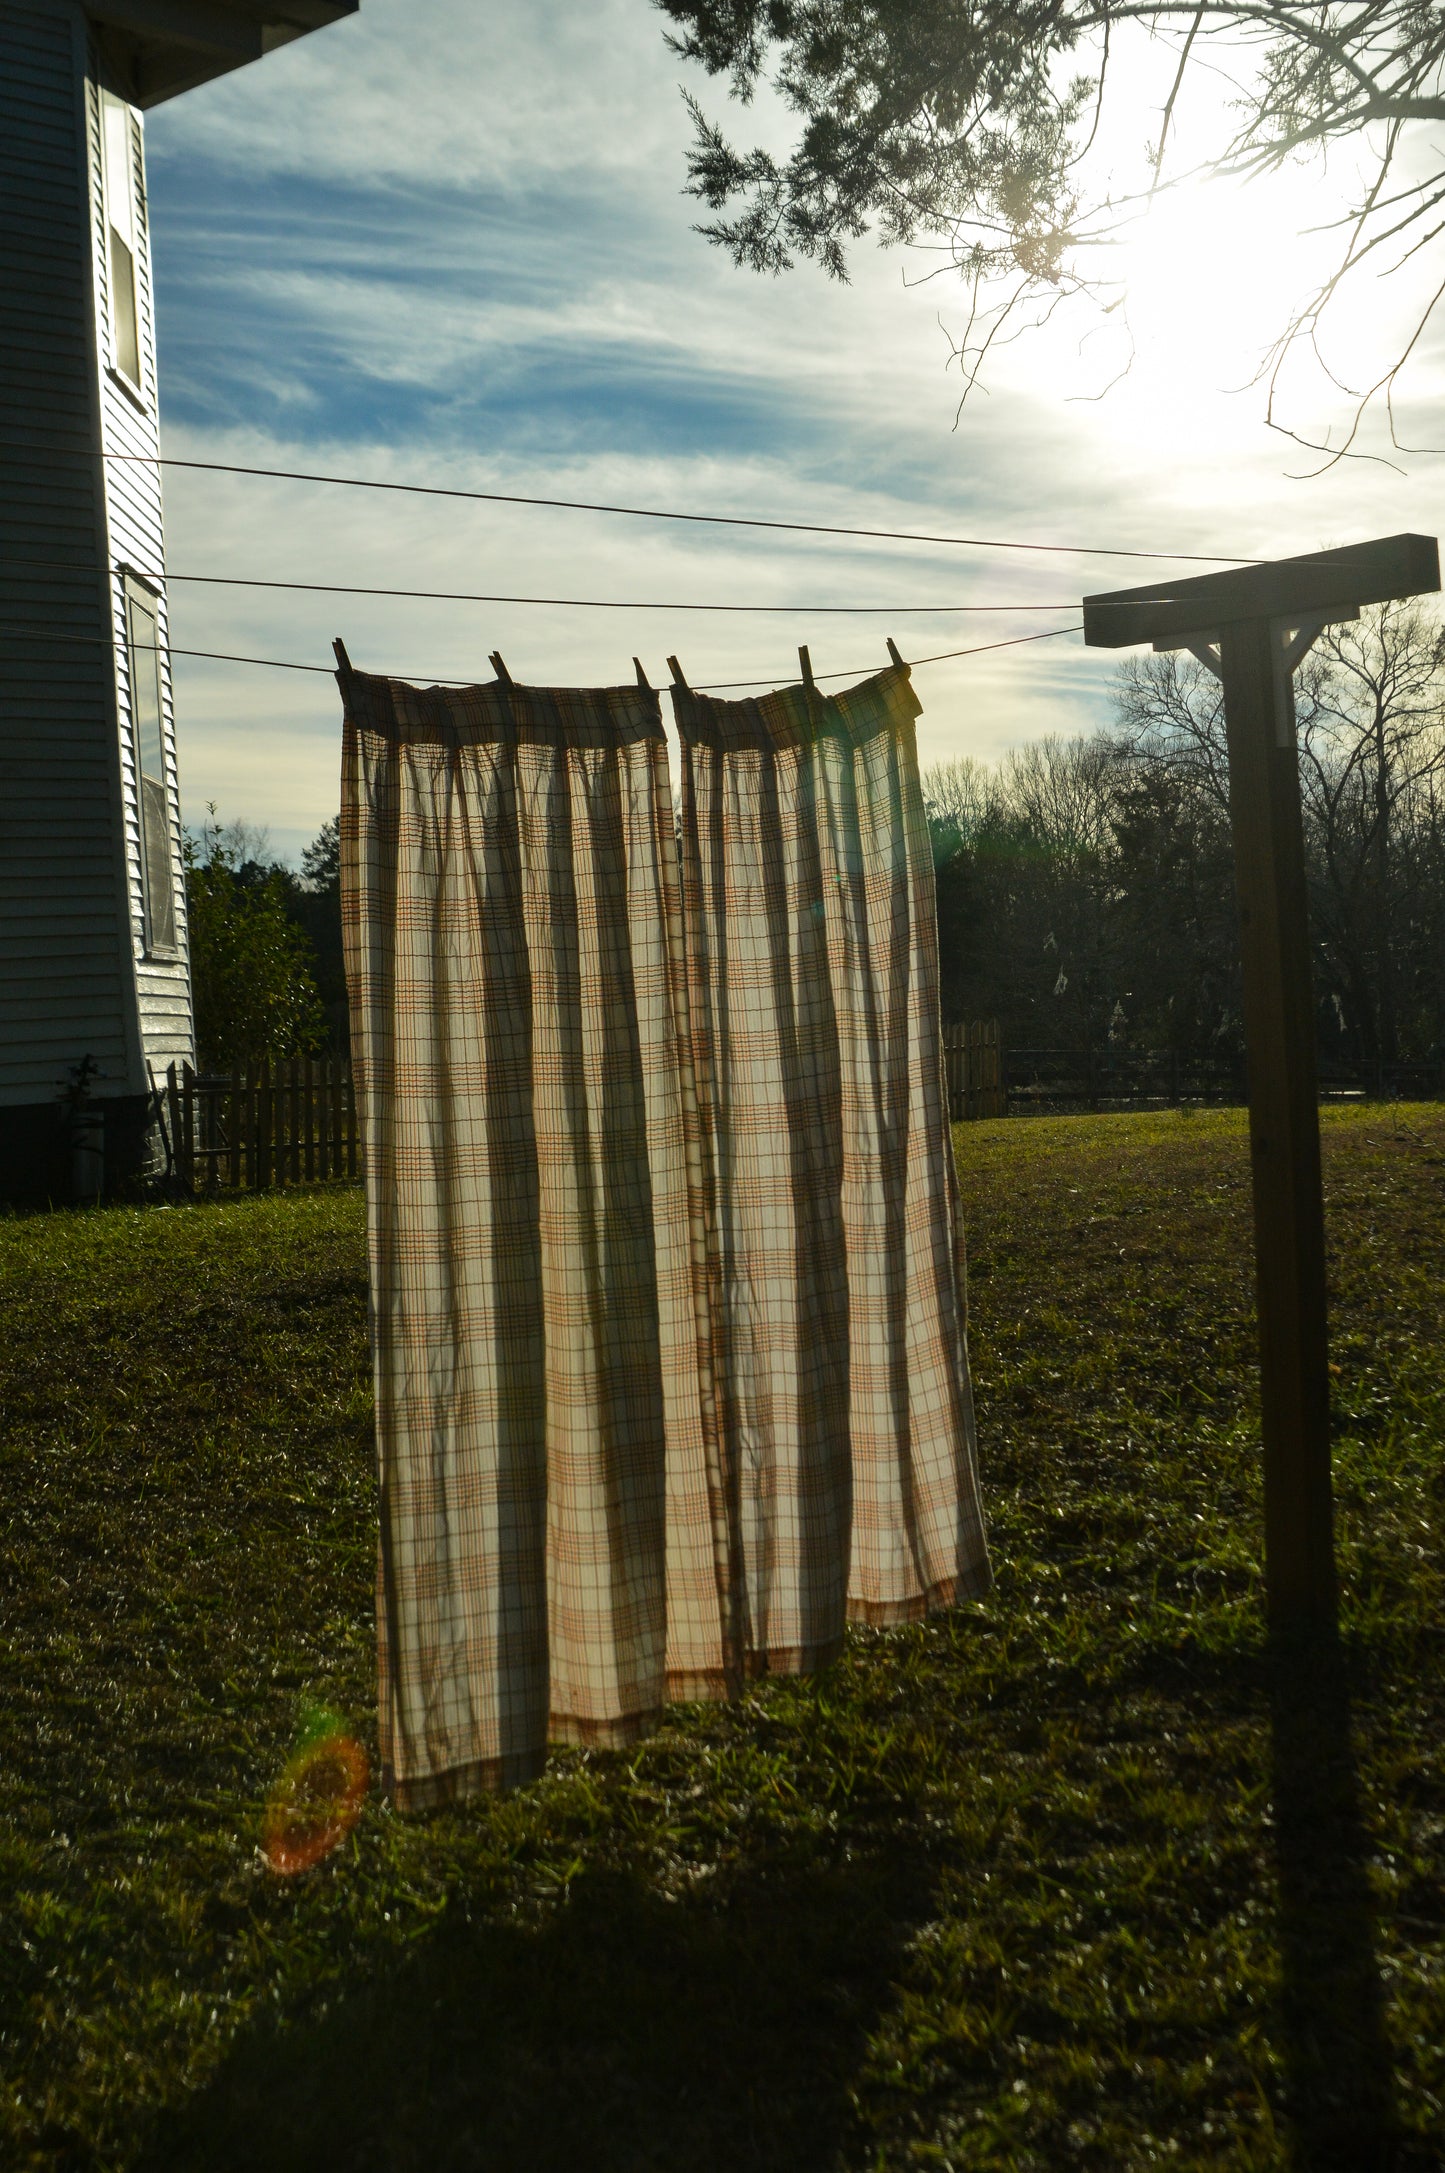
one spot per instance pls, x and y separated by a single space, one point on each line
1372 748
1368 705
1171 712
1064 790
961 797
971 121
1086 886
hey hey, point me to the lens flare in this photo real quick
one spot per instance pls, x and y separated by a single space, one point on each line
318 1798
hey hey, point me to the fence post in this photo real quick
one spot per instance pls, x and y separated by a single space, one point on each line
208 1135
188 1092
261 1164
310 1063
178 1145
234 1171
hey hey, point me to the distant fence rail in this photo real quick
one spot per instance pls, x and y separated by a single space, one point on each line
985 1079
1104 1078
290 1123
294 1123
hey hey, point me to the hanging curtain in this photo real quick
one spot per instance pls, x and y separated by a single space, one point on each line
846 1411
669 1355
509 884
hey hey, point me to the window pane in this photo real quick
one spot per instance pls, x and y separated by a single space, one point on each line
119 169
160 894
145 692
124 323
157 874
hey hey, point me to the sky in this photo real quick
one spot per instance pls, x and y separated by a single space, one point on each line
448 244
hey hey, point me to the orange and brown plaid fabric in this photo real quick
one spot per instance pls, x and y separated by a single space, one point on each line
808 902
509 881
662 1241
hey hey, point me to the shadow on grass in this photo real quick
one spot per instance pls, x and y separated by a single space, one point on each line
1341 2097
628 2031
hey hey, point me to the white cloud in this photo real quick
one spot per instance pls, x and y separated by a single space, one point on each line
440 243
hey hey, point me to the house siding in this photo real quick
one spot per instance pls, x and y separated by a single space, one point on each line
136 545
74 980
66 989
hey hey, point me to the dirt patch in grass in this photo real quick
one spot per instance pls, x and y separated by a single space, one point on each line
1082 1875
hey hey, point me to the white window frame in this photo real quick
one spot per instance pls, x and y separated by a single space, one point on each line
160 932
124 224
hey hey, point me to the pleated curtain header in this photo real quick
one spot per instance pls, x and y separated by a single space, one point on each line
479 715
797 716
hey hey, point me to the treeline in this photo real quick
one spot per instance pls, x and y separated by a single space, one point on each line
1085 886
267 975
1086 889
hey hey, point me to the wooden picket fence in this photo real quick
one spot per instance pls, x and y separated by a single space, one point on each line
294 1123
290 1123
973 1067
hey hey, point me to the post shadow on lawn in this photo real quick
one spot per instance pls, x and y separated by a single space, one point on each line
627 2032
1337 2054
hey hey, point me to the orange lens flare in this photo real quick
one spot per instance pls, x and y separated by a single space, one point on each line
316 1802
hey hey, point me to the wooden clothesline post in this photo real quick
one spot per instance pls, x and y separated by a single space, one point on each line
1251 626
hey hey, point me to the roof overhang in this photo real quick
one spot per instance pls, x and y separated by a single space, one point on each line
159 48
1171 613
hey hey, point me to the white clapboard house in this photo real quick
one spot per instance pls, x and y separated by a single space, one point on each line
93 968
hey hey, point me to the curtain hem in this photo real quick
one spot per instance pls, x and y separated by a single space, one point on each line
974 1583
685 1686
455 1784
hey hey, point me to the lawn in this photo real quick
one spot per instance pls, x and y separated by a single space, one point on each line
1079 1876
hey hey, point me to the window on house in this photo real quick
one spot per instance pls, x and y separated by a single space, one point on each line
121 223
148 741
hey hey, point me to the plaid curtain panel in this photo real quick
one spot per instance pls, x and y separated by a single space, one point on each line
845 1404
662 1215
537 1244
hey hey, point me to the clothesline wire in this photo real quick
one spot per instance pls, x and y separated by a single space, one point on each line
715 686
571 603
665 513
1016 641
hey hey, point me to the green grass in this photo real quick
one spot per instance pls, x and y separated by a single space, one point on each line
1080 1876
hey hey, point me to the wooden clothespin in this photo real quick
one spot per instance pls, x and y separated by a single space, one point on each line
495 660
642 678
677 678
343 661
893 652
807 663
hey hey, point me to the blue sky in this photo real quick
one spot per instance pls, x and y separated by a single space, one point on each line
445 243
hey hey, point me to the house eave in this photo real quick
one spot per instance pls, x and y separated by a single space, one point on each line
159 48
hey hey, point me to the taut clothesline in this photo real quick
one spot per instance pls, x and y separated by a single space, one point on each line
286 664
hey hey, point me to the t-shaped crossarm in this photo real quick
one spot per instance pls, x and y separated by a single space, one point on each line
1321 585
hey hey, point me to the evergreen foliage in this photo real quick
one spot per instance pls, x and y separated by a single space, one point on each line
251 976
